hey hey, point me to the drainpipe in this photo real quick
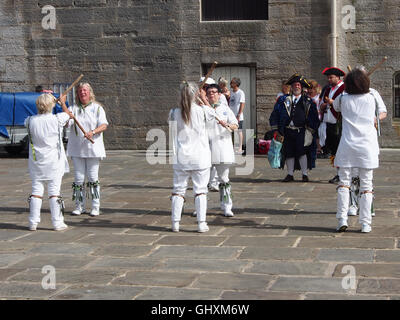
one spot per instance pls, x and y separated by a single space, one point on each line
333 35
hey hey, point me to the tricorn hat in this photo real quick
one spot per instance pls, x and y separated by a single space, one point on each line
298 78
333 70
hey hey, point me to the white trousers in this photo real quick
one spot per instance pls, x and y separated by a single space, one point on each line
53 189
180 180
366 196
303 165
89 168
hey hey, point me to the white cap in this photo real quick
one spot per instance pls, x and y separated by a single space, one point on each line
209 80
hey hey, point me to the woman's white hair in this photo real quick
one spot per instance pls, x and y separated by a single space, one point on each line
45 103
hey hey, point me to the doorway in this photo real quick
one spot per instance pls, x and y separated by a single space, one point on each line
247 77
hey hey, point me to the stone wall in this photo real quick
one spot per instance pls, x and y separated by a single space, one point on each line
136 52
376 35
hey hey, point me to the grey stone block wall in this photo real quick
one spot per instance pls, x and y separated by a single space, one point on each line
377 34
136 52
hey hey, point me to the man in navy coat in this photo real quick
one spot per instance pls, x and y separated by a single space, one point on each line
293 114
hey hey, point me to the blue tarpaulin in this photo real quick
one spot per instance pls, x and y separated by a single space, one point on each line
16 107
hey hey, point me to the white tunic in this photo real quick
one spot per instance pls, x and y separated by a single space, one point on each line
358 145
90 118
220 137
236 99
191 150
45 131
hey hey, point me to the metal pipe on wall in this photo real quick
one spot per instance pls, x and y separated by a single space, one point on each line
334 35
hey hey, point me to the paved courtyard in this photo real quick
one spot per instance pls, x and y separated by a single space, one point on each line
281 244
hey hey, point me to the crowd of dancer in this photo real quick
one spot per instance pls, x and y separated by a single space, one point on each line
339 119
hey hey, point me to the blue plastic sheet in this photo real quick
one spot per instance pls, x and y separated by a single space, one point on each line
16 107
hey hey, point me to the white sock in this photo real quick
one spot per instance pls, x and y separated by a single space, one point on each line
290 165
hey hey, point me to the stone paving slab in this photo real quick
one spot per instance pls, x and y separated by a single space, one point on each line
379 286
90 292
26 291
160 293
156 278
205 265
319 296
70 276
349 255
288 268
260 295
304 284
288 254
233 281
280 245
387 256
375 270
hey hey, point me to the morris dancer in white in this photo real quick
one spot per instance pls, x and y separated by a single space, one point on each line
358 147
222 153
213 182
381 111
191 155
47 159
85 155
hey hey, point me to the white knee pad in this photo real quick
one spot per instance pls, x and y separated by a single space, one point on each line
200 203
56 209
343 200
35 204
365 206
176 207
225 195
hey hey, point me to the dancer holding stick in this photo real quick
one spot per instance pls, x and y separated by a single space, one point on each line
47 160
86 156
191 154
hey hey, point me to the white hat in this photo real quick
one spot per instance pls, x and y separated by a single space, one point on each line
209 80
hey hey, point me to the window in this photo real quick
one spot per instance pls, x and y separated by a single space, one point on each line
396 95
220 10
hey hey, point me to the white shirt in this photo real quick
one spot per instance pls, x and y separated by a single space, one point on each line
45 131
295 100
220 137
222 100
191 150
90 118
234 102
358 145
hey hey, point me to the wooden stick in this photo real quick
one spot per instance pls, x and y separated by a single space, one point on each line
208 74
377 66
71 86
204 82
349 68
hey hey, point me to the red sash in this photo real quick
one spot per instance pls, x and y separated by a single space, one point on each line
336 94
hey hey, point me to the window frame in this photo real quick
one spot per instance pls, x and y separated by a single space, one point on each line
230 21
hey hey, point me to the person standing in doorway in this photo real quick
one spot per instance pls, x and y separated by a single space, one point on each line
236 103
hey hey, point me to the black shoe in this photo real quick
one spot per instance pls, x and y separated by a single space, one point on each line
305 178
335 179
288 178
